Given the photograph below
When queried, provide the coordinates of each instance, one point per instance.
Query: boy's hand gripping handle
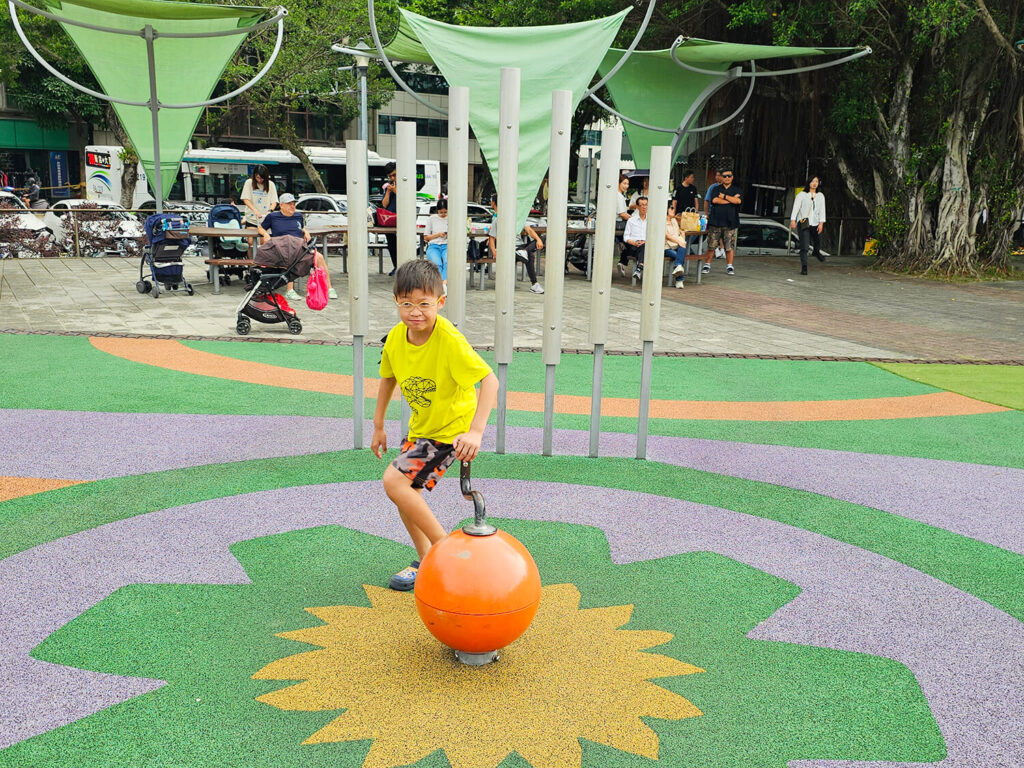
(479, 526)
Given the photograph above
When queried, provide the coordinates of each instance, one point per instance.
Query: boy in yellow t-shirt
(438, 372)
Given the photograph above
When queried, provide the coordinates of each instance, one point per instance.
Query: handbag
(804, 223)
(316, 289)
(689, 221)
(386, 218)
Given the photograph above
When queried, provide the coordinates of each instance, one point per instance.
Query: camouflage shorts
(424, 461)
(721, 237)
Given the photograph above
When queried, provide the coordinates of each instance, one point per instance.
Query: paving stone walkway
(840, 310)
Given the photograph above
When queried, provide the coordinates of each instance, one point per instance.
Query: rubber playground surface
(818, 566)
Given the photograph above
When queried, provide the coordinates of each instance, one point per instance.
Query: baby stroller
(227, 216)
(167, 238)
(278, 263)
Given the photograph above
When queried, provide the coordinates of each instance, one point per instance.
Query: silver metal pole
(154, 110)
(549, 408)
(595, 401)
(505, 267)
(458, 198)
(358, 398)
(554, 273)
(406, 209)
(604, 235)
(357, 187)
(362, 103)
(502, 407)
(650, 308)
(645, 400)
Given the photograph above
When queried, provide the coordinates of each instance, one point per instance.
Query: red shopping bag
(316, 289)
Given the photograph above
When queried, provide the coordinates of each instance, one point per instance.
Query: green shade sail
(562, 57)
(653, 89)
(187, 69)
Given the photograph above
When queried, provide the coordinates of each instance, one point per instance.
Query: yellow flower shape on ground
(574, 674)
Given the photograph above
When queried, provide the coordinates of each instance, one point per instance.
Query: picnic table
(250, 233)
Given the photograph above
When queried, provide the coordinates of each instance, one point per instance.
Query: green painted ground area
(763, 703)
(999, 384)
(990, 573)
(67, 373)
(673, 378)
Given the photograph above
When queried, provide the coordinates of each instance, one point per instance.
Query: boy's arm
(379, 443)
(467, 445)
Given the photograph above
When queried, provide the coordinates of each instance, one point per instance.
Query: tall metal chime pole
(357, 186)
(458, 198)
(604, 235)
(554, 271)
(650, 308)
(405, 155)
(505, 268)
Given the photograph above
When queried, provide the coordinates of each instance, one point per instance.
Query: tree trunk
(129, 159)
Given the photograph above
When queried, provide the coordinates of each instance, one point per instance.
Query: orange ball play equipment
(478, 589)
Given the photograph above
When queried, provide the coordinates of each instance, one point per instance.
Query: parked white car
(22, 233)
(765, 237)
(103, 228)
(319, 210)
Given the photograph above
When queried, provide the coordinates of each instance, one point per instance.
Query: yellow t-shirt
(437, 379)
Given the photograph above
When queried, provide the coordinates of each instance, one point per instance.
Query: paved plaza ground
(819, 565)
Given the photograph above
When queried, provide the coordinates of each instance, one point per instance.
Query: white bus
(216, 174)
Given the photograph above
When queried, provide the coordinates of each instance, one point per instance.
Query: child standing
(438, 372)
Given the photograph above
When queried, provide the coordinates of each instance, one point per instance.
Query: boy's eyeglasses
(423, 306)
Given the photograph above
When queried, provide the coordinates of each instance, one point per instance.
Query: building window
(425, 126)
(591, 138)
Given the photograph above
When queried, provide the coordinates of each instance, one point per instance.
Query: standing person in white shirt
(436, 237)
(808, 219)
(259, 196)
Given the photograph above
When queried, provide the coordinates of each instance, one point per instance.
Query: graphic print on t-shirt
(415, 390)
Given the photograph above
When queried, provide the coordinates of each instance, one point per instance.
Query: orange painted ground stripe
(13, 487)
(171, 354)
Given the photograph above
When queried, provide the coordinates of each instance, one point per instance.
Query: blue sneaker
(405, 579)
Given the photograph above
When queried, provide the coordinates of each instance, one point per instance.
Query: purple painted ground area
(974, 500)
(967, 655)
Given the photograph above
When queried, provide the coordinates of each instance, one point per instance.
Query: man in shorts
(723, 221)
(438, 372)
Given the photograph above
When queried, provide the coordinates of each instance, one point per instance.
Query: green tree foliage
(31, 88)
(305, 75)
(928, 131)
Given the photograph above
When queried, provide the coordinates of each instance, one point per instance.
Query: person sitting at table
(676, 246)
(523, 254)
(288, 222)
(635, 237)
(436, 237)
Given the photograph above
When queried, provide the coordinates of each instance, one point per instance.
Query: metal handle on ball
(479, 526)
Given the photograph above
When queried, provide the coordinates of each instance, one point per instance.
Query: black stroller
(227, 216)
(167, 238)
(278, 263)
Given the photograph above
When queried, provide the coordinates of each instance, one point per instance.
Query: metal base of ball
(476, 659)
